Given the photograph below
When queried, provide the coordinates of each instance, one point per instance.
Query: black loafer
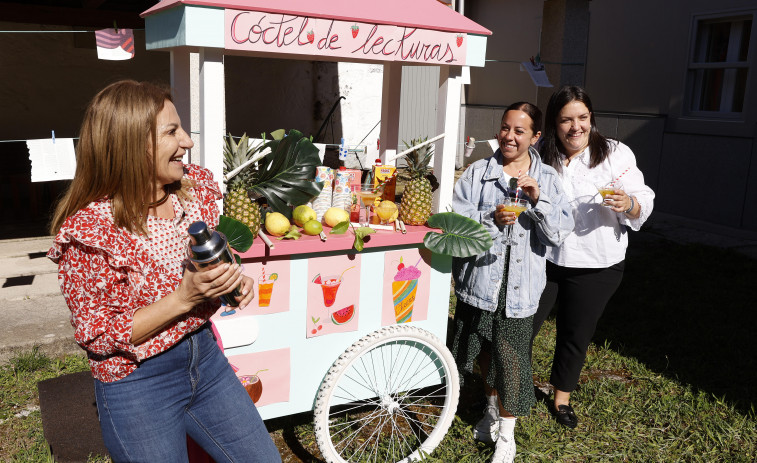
(565, 415)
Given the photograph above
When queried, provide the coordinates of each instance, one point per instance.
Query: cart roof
(422, 14)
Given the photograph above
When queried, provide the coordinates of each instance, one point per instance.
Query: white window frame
(731, 65)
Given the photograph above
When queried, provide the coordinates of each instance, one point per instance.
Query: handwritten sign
(302, 35)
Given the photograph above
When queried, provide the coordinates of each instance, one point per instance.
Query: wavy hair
(112, 160)
(551, 146)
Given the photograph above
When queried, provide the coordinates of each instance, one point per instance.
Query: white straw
(265, 239)
(413, 148)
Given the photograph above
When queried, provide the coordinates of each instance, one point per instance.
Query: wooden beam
(65, 16)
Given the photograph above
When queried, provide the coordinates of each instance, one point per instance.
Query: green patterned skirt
(508, 340)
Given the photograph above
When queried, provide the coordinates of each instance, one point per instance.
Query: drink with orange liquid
(265, 289)
(514, 208)
(608, 189)
(516, 205)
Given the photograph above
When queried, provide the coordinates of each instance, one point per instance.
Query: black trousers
(581, 295)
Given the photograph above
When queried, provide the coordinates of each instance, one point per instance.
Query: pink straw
(618, 177)
(517, 191)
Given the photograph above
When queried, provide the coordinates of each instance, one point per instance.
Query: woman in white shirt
(586, 269)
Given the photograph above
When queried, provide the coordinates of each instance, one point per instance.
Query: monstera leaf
(237, 234)
(285, 175)
(460, 237)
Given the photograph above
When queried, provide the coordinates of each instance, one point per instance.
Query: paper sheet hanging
(115, 45)
(537, 73)
(52, 159)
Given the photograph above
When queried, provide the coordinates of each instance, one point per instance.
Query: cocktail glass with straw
(368, 193)
(516, 205)
(607, 189)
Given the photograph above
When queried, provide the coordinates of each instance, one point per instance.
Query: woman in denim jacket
(498, 291)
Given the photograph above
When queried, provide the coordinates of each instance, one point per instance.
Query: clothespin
(115, 26)
(53, 137)
(378, 144)
(342, 151)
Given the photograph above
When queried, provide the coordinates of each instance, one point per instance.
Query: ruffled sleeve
(97, 272)
(206, 192)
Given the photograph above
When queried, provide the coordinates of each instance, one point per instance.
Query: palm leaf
(285, 176)
(460, 237)
(237, 234)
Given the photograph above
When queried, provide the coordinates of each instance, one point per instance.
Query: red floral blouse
(107, 273)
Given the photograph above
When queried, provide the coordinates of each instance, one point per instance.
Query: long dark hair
(533, 112)
(551, 146)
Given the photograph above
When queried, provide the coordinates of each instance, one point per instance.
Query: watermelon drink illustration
(404, 287)
(265, 288)
(330, 285)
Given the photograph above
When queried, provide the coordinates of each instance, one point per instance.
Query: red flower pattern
(106, 274)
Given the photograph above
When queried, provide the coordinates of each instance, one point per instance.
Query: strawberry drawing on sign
(459, 40)
(311, 36)
(355, 29)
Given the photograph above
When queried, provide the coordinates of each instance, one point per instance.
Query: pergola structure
(391, 32)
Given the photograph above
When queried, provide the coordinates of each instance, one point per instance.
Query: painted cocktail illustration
(404, 287)
(329, 285)
(253, 385)
(265, 288)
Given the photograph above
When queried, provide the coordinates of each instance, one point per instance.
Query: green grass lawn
(670, 377)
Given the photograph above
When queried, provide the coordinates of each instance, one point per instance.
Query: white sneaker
(505, 450)
(487, 429)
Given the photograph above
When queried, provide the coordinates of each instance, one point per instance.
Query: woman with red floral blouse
(139, 309)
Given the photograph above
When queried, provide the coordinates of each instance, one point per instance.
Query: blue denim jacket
(477, 279)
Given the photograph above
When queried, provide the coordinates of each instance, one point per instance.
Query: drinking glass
(606, 189)
(368, 193)
(516, 205)
(385, 211)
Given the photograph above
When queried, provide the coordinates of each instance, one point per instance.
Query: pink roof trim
(422, 14)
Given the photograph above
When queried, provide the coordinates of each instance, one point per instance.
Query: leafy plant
(237, 233)
(285, 175)
(460, 237)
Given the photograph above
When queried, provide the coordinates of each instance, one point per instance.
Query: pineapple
(237, 203)
(415, 207)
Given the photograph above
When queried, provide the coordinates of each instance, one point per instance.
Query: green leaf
(360, 233)
(292, 234)
(460, 237)
(238, 234)
(286, 174)
(340, 228)
(237, 259)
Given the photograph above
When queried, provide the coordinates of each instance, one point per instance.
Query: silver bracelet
(633, 203)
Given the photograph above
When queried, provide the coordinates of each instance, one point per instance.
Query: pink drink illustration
(329, 286)
(404, 287)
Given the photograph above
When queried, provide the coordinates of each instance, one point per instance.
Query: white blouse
(599, 238)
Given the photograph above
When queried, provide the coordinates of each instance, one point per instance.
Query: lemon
(335, 215)
(302, 214)
(312, 227)
(387, 211)
(276, 223)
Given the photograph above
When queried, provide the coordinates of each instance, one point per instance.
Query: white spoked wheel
(390, 397)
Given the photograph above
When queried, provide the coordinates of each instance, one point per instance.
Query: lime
(312, 227)
(302, 214)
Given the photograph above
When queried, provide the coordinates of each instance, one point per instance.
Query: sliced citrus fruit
(274, 276)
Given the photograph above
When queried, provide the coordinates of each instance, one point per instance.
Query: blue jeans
(189, 389)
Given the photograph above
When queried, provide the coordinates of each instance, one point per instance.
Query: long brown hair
(112, 154)
(551, 146)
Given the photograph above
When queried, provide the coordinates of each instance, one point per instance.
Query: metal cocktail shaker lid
(205, 246)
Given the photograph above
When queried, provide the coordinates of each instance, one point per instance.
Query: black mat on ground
(69, 417)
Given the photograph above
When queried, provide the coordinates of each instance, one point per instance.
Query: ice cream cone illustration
(404, 287)
(265, 288)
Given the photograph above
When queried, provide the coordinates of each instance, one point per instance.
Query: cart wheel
(389, 397)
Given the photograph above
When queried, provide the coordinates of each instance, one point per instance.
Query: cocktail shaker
(210, 249)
